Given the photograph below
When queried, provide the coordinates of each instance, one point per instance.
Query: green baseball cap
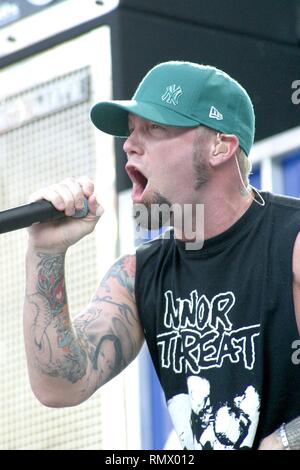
(183, 94)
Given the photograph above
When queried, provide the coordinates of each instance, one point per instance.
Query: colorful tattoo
(50, 303)
(51, 282)
(101, 343)
(122, 272)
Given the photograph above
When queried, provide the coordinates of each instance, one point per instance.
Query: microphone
(33, 213)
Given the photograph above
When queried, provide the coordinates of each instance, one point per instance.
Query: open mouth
(139, 181)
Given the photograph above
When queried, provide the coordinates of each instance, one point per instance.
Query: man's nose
(133, 145)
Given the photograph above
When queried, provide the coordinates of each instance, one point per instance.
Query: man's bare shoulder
(296, 261)
(121, 274)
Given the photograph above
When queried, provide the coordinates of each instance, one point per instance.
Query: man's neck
(222, 214)
(215, 215)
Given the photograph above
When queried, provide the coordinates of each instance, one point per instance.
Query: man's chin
(152, 214)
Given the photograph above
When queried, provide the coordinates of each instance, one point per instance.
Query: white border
(277, 145)
(266, 153)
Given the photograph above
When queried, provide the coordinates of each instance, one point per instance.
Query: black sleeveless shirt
(220, 326)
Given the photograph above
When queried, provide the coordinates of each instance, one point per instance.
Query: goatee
(154, 214)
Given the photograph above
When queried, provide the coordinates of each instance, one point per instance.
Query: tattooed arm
(68, 361)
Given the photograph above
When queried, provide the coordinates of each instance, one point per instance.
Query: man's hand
(271, 442)
(66, 196)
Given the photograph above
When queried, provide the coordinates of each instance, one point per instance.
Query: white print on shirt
(200, 335)
(200, 424)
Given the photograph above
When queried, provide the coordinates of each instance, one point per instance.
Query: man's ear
(223, 149)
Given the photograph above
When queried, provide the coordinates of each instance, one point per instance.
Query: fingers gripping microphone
(35, 212)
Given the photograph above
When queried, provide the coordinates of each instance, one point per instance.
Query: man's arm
(296, 280)
(68, 362)
(275, 440)
(287, 437)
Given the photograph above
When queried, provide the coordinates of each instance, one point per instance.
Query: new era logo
(172, 94)
(215, 114)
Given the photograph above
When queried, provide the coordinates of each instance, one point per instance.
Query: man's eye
(155, 126)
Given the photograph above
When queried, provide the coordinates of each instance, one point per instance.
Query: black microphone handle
(35, 212)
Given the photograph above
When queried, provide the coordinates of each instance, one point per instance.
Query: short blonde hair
(244, 164)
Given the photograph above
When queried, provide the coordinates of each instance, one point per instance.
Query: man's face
(162, 162)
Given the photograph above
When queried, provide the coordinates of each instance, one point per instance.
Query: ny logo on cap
(172, 94)
(215, 114)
